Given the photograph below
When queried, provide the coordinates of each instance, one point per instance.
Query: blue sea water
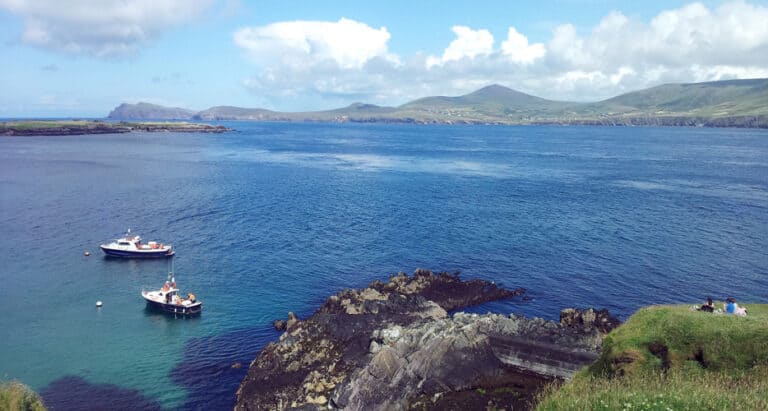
(276, 217)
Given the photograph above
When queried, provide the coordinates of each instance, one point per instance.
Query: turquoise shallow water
(276, 217)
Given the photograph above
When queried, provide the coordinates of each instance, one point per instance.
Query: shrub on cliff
(15, 396)
(672, 357)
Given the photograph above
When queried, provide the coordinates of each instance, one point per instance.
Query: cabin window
(122, 243)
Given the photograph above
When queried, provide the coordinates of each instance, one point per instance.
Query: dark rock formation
(96, 128)
(601, 320)
(317, 354)
(74, 128)
(393, 346)
(464, 353)
(279, 325)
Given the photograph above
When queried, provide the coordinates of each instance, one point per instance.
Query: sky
(82, 58)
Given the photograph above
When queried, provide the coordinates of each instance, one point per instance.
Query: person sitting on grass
(708, 306)
(731, 307)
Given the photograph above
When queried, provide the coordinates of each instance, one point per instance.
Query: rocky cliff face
(393, 346)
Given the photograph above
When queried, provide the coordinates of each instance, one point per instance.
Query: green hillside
(731, 103)
(147, 111)
(669, 357)
(720, 98)
(235, 113)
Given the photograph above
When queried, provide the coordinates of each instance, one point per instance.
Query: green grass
(43, 126)
(669, 357)
(37, 124)
(679, 390)
(15, 396)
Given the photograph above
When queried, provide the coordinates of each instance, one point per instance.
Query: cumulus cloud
(347, 60)
(347, 43)
(97, 27)
(518, 50)
(690, 44)
(467, 45)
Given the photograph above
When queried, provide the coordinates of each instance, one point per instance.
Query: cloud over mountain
(333, 60)
(468, 45)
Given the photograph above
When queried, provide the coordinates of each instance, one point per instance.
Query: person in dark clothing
(708, 306)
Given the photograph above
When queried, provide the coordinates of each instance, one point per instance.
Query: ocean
(276, 217)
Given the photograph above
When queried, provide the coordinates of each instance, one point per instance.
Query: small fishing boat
(130, 246)
(169, 299)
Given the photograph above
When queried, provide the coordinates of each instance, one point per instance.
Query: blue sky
(86, 58)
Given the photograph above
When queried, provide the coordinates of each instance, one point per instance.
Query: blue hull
(134, 254)
(175, 309)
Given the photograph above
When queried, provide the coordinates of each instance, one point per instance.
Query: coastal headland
(393, 345)
(402, 345)
(726, 103)
(82, 127)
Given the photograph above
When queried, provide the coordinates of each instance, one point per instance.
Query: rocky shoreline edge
(394, 346)
(84, 127)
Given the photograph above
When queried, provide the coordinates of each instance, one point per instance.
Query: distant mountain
(493, 96)
(736, 103)
(146, 111)
(235, 113)
(717, 98)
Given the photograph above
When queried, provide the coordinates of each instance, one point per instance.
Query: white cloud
(336, 63)
(467, 45)
(99, 28)
(734, 33)
(518, 50)
(347, 43)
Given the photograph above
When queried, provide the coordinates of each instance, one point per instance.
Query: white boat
(130, 246)
(169, 299)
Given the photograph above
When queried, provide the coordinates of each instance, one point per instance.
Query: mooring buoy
(87, 253)
(98, 304)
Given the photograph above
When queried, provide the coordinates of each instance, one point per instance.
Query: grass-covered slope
(81, 127)
(731, 103)
(15, 396)
(147, 111)
(669, 357)
(714, 99)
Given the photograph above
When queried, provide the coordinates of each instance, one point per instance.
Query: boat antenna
(170, 272)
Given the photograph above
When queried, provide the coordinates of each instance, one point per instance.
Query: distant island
(729, 103)
(80, 127)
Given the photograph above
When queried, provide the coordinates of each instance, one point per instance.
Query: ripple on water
(277, 217)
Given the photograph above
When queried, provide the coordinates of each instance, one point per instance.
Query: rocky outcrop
(64, 130)
(393, 346)
(464, 353)
(83, 127)
(601, 320)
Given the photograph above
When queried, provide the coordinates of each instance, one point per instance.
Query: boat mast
(170, 272)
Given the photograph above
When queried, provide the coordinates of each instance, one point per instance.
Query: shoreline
(404, 344)
(24, 128)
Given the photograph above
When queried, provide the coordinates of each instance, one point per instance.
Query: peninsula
(80, 127)
(402, 345)
(393, 346)
(728, 103)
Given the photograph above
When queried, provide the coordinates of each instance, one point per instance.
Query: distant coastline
(729, 103)
(83, 127)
